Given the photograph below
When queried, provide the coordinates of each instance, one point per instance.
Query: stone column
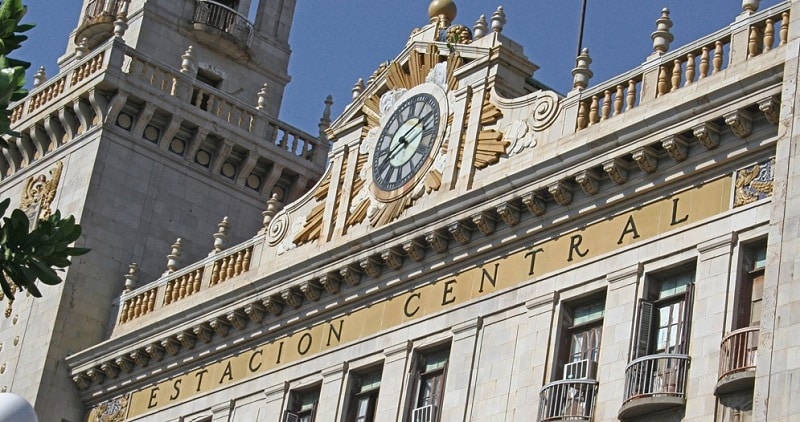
(615, 342)
(708, 324)
(460, 368)
(330, 392)
(275, 398)
(394, 372)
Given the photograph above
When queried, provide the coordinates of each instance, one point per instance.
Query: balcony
(214, 23)
(98, 21)
(654, 383)
(737, 361)
(567, 400)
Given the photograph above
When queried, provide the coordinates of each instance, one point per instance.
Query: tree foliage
(27, 255)
(12, 71)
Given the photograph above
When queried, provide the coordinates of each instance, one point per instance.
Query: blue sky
(335, 42)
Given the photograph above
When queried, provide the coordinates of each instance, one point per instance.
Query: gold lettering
(228, 373)
(177, 387)
(574, 244)
(199, 376)
(333, 332)
(492, 278)
(630, 227)
(405, 308)
(532, 254)
(448, 291)
(300, 349)
(675, 213)
(153, 395)
(252, 357)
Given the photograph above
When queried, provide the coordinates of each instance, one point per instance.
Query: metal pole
(580, 28)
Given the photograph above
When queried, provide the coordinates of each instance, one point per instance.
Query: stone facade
(479, 248)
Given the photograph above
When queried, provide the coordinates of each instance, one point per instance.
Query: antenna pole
(580, 28)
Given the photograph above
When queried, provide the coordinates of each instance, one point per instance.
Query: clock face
(404, 147)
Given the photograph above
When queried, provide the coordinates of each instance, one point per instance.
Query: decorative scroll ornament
(39, 193)
(110, 411)
(278, 228)
(754, 183)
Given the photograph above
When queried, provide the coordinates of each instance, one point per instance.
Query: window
(302, 406)
(665, 314)
(428, 375)
(364, 396)
(750, 290)
(579, 346)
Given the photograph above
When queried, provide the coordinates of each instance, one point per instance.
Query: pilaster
(394, 368)
(460, 370)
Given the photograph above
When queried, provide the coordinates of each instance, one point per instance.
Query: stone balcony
(737, 361)
(654, 383)
(215, 23)
(98, 21)
(568, 400)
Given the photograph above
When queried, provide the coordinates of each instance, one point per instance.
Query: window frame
(418, 374)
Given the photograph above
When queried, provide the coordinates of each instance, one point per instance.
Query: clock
(407, 143)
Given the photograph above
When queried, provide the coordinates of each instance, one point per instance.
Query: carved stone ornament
(171, 346)
(392, 258)
(187, 339)
(460, 232)
(38, 194)
(562, 193)
(156, 351)
(291, 298)
(140, 357)
(278, 228)
(82, 381)
(255, 311)
(707, 135)
(273, 305)
(676, 147)
(485, 222)
(535, 203)
(740, 122)
(616, 170)
(110, 369)
(646, 158)
(237, 319)
(110, 411)
(351, 275)
(311, 290)
(771, 109)
(437, 241)
(509, 213)
(331, 282)
(371, 267)
(96, 375)
(124, 363)
(220, 326)
(415, 250)
(203, 333)
(588, 181)
(520, 137)
(754, 183)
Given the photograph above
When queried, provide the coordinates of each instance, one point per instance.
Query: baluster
(231, 266)
(582, 121)
(183, 283)
(248, 253)
(168, 293)
(239, 258)
(717, 57)
(676, 75)
(215, 272)
(594, 116)
(618, 100)
(198, 100)
(176, 290)
(662, 87)
(151, 300)
(631, 96)
(689, 69)
(284, 140)
(198, 276)
(131, 309)
(139, 302)
(123, 316)
(769, 35)
(754, 44)
(704, 58)
(606, 110)
(784, 32)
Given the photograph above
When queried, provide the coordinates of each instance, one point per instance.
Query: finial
(120, 24)
(481, 28)
(325, 120)
(221, 236)
(273, 207)
(82, 48)
(39, 77)
(750, 6)
(188, 62)
(358, 88)
(662, 37)
(446, 8)
(132, 277)
(173, 259)
(581, 74)
(498, 19)
(262, 97)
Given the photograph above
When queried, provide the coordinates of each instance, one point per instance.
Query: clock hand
(424, 119)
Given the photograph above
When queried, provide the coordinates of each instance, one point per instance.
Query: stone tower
(160, 122)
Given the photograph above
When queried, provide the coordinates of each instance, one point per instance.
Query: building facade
(159, 109)
(478, 248)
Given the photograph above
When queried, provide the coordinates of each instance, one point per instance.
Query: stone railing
(186, 282)
(567, 400)
(685, 66)
(656, 375)
(223, 18)
(98, 8)
(738, 351)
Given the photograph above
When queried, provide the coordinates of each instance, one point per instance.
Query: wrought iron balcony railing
(223, 18)
(654, 383)
(737, 360)
(567, 400)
